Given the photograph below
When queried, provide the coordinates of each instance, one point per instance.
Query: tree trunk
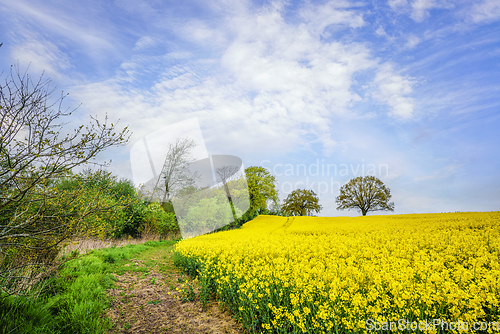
(226, 188)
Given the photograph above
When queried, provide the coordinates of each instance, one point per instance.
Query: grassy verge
(74, 299)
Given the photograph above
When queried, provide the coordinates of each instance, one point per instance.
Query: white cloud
(144, 43)
(394, 90)
(276, 82)
(198, 31)
(399, 6)
(339, 14)
(41, 56)
(381, 32)
(486, 11)
(84, 31)
(412, 41)
(419, 9)
(397, 3)
(279, 58)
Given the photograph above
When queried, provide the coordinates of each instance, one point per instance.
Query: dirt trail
(149, 298)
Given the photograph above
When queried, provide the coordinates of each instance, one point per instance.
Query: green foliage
(365, 194)
(36, 150)
(246, 217)
(74, 299)
(126, 212)
(132, 221)
(188, 295)
(115, 210)
(301, 202)
(118, 200)
(168, 207)
(61, 209)
(189, 265)
(20, 315)
(203, 210)
(261, 187)
(154, 302)
(157, 221)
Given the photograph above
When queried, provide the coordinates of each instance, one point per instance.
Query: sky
(317, 92)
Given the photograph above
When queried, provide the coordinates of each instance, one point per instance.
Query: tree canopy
(364, 194)
(261, 187)
(301, 202)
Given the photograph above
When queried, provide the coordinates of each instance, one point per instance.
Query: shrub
(157, 221)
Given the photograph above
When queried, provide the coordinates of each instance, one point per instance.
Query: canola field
(432, 273)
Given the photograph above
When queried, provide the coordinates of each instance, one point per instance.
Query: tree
(261, 187)
(175, 174)
(364, 194)
(301, 202)
(158, 222)
(36, 216)
(224, 174)
(125, 207)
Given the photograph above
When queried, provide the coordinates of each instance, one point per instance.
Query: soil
(152, 296)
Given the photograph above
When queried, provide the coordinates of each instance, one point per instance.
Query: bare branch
(35, 217)
(175, 174)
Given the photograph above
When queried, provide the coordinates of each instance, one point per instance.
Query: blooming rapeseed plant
(329, 275)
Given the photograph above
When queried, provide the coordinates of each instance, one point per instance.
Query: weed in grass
(109, 258)
(154, 302)
(127, 325)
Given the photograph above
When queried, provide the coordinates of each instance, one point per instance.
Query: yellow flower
(338, 272)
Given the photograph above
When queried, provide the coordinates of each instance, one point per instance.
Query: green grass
(74, 300)
(154, 302)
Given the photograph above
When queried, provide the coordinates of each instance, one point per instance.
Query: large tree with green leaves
(365, 193)
(301, 202)
(261, 187)
(36, 149)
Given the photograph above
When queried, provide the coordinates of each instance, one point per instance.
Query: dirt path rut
(153, 296)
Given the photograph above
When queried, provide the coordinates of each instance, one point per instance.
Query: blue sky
(408, 90)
